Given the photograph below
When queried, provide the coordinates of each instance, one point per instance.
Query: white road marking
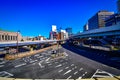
(49, 64)
(5, 74)
(83, 75)
(101, 75)
(33, 61)
(106, 73)
(25, 60)
(56, 62)
(68, 77)
(40, 64)
(20, 65)
(65, 54)
(79, 78)
(36, 60)
(66, 67)
(33, 64)
(39, 57)
(85, 72)
(95, 73)
(72, 64)
(47, 59)
(58, 65)
(75, 72)
(9, 73)
(80, 69)
(65, 63)
(73, 68)
(60, 70)
(36, 55)
(2, 74)
(1, 65)
(43, 58)
(67, 72)
(2, 62)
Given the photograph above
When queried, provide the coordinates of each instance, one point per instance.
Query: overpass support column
(31, 49)
(29, 46)
(81, 42)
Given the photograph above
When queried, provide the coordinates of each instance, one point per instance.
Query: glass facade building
(69, 30)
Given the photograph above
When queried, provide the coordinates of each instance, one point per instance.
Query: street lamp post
(17, 40)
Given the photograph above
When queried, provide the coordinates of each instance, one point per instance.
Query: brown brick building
(60, 36)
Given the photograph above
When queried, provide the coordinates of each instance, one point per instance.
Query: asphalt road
(110, 58)
(43, 66)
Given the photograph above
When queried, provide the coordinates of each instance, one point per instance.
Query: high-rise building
(85, 27)
(69, 30)
(118, 6)
(98, 20)
(114, 19)
(54, 28)
(53, 33)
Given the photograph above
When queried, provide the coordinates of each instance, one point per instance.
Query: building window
(5, 37)
(8, 37)
(11, 38)
(2, 37)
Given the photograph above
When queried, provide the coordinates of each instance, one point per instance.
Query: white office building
(54, 28)
(65, 34)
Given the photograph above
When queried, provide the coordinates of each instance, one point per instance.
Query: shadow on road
(103, 57)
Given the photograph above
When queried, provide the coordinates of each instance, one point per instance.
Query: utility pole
(17, 40)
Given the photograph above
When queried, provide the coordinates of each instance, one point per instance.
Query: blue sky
(34, 17)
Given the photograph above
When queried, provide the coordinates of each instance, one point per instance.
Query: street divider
(28, 53)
